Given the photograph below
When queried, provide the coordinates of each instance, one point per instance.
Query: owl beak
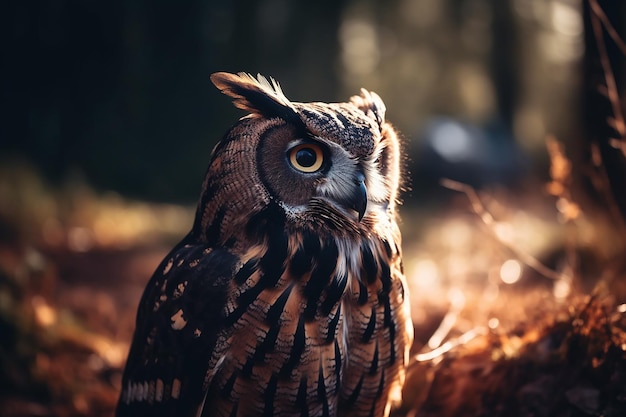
(358, 202)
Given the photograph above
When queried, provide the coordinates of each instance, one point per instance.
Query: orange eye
(307, 157)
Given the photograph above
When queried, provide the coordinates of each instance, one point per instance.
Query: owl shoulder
(178, 323)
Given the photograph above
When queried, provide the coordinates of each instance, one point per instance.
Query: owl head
(332, 163)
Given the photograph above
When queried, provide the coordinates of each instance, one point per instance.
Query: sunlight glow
(504, 231)
(510, 271)
(44, 314)
(561, 289)
(456, 296)
(426, 273)
(491, 293)
(457, 303)
(564, 43)
(566, 19)
(456, 234)
(80, 239)
(452, 142)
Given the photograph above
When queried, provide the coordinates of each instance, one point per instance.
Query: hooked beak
(358, 200)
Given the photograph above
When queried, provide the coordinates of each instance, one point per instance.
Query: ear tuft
(259, 96)
(371, 104)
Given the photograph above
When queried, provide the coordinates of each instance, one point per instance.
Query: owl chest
(287, 338)
(292, 367)
(282, 349)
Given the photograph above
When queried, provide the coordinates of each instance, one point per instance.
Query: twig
(600, 180)
(595, 7)
(598, 20)
(457, 301)
(451, 344)
(487, 218)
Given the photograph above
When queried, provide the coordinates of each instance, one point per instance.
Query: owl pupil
(306, 157)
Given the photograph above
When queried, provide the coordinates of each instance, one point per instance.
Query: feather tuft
(259, 96)
(371, 104)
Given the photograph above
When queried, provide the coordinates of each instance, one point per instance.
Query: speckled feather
(280, 301)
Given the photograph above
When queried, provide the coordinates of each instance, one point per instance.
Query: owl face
(298, 168)
(330, 161)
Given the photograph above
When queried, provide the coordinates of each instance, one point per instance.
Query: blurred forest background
(108, 116)
(118, 93)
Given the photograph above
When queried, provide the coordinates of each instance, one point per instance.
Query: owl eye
(307, 157)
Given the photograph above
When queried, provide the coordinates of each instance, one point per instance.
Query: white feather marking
(347, 266)
(146, 391)
(217, 367)
(158, 394)
(168, 266)
(209, 377)
(126, 394)
(270, 87)
(139, 392)
(151, 391)
(378, 187)
(136, 388)
(176, 388)
(180, 289)
(178, 322)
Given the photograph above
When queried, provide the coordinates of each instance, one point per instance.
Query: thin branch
(457, 303)
(600, 180)
(479, 209)
(598, 19)
(451, 344)
(595, 7)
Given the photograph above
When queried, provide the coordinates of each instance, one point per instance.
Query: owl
(287, 297)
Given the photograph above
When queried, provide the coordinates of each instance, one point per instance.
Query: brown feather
(258, 96)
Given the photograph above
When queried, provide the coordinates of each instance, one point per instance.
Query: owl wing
(177, 326)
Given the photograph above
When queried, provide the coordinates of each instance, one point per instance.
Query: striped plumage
(287, 297)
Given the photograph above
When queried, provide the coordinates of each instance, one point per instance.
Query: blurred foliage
(78, 218)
